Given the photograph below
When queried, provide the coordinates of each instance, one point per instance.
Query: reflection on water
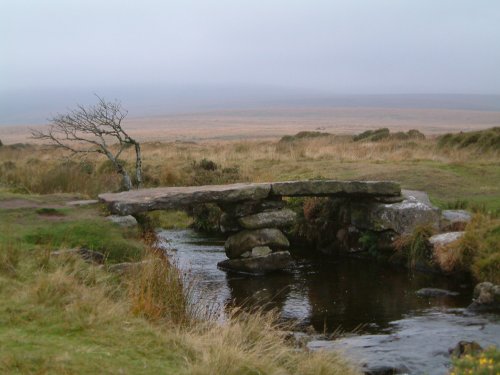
(339, 293)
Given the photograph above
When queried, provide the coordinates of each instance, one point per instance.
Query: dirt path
(15, 203)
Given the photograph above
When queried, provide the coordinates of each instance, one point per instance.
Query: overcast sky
(382, 46)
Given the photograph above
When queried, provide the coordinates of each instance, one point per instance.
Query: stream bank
(394, 326)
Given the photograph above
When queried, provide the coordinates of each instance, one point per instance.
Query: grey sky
(382, 46)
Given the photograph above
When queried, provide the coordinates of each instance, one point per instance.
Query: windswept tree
(95, 129)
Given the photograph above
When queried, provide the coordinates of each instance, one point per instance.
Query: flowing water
(394, 327)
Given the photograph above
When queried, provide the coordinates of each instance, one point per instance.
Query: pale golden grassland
(452, 176)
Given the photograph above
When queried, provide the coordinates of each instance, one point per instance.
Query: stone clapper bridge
(254, 214)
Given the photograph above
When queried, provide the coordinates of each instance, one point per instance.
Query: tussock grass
(477, 252)
(63, 315)
(253, 344)
(449, 259)
(156, 291)
(414, 247)
(480, 248)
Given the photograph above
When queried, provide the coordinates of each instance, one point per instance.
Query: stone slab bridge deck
(164, 198)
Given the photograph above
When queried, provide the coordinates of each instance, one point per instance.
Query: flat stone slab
(143, 200)
(403, 217)
(269, 219)
(334, 187)
(444, 239)
(454, 220)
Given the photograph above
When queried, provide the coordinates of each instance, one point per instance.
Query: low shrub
(385, 134)
(207, 172)
(304, 135)
(482, 140)
(372, 135)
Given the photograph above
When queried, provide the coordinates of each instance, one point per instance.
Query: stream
(386, 324)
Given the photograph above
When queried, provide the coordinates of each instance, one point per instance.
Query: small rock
(435, 292)
(385, 370)
(91, 255)
(228, 223)
(123, 221)
(246, 254)
(454, 220)
(444, 239)
(246, 240)
(261, 251)
(258, 265)
(464, 348)
(247, 208)
(486, 297)
(86, 254)
(269, 219)
(341, 234)
(125, 267)
(86, 202)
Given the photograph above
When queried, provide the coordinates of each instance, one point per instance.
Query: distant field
(275, 122)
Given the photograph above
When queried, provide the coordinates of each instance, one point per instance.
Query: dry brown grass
(156, 291)
(447, 173)
(253, 344)
(448, 257)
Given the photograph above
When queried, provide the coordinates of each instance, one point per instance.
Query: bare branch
(87, 129)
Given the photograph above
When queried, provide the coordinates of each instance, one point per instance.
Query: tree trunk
(138, 164)
(126, 180)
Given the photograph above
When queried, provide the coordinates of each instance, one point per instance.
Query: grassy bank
(63, 315)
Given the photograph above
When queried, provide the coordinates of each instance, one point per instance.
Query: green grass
(170, 219)
(60, 315)
(480, 247)
(33, 229)
(62, 319)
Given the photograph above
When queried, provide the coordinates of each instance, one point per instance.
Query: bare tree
(95, 129)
